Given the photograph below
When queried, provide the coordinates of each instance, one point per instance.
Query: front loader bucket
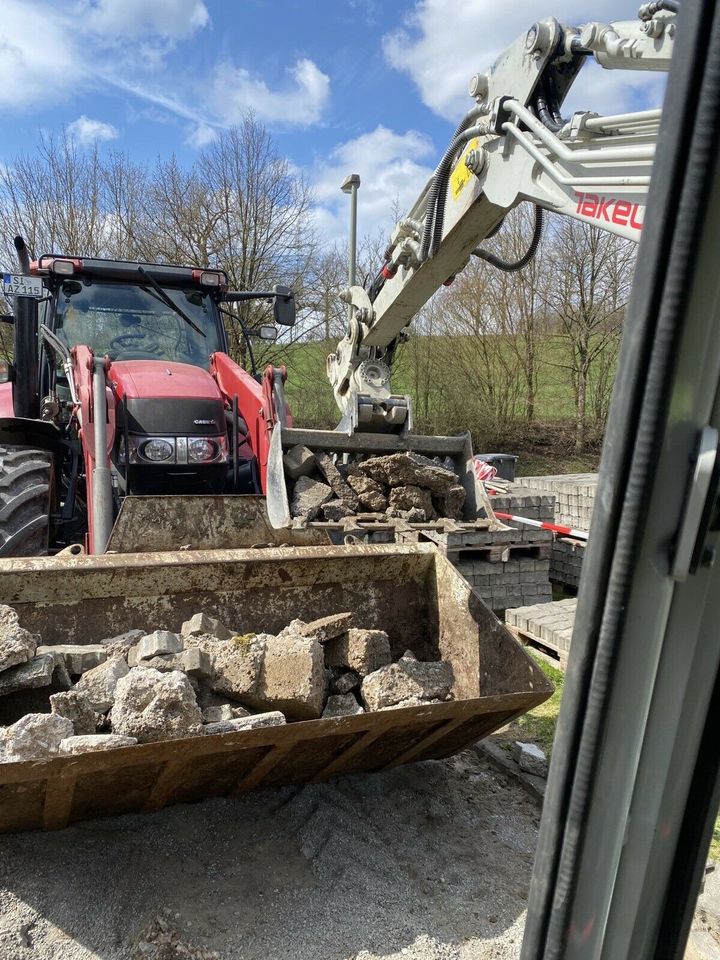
(151, 524)
(412, 592)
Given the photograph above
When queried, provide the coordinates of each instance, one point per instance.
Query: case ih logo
(609, 209)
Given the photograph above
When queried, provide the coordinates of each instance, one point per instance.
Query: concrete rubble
(407, 683)
(78, 657)
(150, 705)
(400, 485)
(16, 644)
(76, 707)
(205, 679)
(92, 742)
(46, 670)
(530, 758)
(362, 651)
(36, 736)
(99, 683)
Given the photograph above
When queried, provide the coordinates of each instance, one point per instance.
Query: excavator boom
(512, 146)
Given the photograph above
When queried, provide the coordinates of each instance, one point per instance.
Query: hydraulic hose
(512, 266)
(462, 134)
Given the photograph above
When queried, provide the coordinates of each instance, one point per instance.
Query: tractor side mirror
(284, 307)
(265, 332)
(7, 371)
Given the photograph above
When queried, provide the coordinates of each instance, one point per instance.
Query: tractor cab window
(131, 322)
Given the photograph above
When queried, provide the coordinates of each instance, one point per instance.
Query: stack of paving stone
(507, 568)
(566, 560)
(547, 625)
(574, 496)
(522, 501)
(574, 501)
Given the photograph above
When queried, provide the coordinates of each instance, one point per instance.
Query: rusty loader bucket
(412, 592)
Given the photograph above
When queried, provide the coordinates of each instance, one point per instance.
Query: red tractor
(121, 387)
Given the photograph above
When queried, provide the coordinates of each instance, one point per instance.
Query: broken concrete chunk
(238, 665)
(450, 503)
(194, 661)
(299, 461)
(47, 670)
(343, 681)
(361, 650)
(99, 684)
(156, 644)
(412, 516)
(412, 498)
(530, 758)
(218, 713)
(16, 644)
(253, 722)
(76, 707)
(336, 510)
(99, 741)
(342, 706)
(203, 625)
(403, 469)
(371, 494)
(78, 657)
(293, 678)
(36, 736)
(120, 645)
(326, 628)
(408, 679)
(338, 484)
(308, 498)
(150, 705)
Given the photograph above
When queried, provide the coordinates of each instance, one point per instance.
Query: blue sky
(344, 86)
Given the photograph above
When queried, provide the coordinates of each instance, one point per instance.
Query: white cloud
(31, 70)
(392, 174)
(235, 91)
(444, 42)
(171, 19)
(201, 135)
(50, 51)
(125, 44)
(87, 131)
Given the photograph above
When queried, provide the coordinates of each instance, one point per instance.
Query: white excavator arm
(513, 145)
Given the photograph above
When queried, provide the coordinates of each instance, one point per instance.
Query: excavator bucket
(152, 524)
(458, 449)
(411, 592)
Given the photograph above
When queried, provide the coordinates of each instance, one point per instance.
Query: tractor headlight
(175, 450)
(157, 450)
(201, 450)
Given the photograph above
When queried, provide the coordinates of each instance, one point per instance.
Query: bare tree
(590, 286)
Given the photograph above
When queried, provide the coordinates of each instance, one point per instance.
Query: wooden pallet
(550, 650)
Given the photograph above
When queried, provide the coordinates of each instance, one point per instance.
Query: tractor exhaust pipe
(26, 399)
(102, 498)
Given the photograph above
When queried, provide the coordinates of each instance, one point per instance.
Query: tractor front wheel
(26, 484)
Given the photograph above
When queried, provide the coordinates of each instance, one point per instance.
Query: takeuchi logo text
(610, 210)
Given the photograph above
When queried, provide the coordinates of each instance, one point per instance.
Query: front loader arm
(513, 146)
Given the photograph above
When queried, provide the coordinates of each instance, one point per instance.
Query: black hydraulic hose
(545, 115)
(512, 266)
(435, 209)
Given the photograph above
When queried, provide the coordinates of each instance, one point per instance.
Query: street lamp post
(350, 185)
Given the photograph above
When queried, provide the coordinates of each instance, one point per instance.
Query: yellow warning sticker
(461, 174)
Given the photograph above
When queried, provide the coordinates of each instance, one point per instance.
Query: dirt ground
(425, 862)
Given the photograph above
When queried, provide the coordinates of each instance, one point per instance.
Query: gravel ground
(426, 862)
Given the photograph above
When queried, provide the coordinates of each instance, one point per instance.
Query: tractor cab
(181, 417)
